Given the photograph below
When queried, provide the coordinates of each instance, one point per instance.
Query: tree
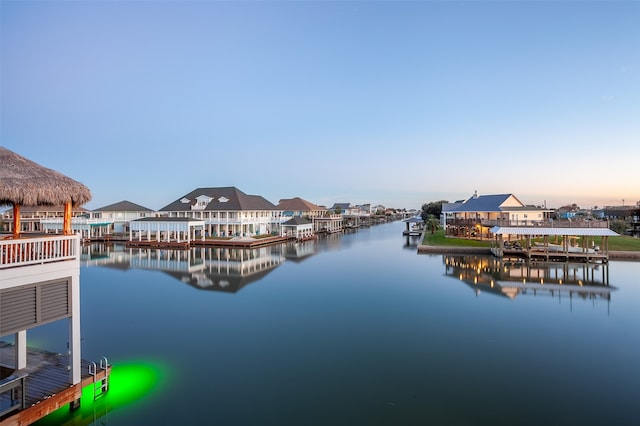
(338, 210)
(432, 223)
(619, 226)
(433, 208)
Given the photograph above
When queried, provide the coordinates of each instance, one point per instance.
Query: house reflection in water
(510, 279)
(206, 268)
(300, 251)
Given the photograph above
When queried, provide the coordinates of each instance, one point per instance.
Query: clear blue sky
(390, 102)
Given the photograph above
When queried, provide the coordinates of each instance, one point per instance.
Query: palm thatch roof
(25, 183)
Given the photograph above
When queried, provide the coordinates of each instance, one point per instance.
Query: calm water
(359, 329)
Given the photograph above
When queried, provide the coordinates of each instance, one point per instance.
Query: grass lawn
(622, 243)
(438, 239)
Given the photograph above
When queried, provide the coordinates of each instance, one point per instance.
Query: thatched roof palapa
(25, 183)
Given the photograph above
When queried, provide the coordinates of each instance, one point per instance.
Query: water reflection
(412, 241)
(511, 279)
(208, 268)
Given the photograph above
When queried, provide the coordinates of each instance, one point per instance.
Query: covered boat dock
(545, 250)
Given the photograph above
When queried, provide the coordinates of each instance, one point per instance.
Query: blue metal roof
(482, 203)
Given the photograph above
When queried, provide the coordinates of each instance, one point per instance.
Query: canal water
(356, 329)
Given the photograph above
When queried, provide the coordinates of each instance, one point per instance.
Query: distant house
(621, 212)
(321, 218)
(31, 217)
(121, 213)
(226, 211)
(300, 228)
(379, 209)
(342, 208)
(475, 216)
(297, 207)
(365, 209)
(353, 216)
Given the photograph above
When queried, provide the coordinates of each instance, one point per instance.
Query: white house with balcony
(226, 212)
(120, 214)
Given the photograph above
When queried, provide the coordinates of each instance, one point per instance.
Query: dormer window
(202, 201)
(223, 200)
(185, 201)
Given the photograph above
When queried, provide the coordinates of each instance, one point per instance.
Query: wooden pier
(47, 387)
(158, 244)
(550, 256)
(240, 242)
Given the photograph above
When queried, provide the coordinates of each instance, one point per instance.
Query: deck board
(48, 386)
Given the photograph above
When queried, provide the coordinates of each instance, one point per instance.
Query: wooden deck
(47, 384)
(240, 242)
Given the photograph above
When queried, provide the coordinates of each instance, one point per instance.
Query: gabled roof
(483, 203)
(123, 206)
(298, 204)
(451, 207)
(488, 203)
(222, 199)
(297, 221)
(343, 206)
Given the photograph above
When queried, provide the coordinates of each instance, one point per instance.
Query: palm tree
(432, 223)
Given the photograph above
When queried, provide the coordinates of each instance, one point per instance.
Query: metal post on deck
(21, 349)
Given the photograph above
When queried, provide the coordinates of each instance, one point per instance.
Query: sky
(398, 103)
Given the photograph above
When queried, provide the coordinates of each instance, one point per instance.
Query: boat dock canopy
(538, 230)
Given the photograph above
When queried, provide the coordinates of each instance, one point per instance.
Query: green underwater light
(129, 382)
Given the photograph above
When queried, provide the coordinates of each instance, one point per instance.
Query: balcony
(38, 250)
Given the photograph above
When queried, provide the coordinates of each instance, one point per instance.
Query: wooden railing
(14, 389)
(530, 223)
(26, 251)
(548, 223)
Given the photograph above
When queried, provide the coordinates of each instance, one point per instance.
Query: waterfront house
(321, 218)
(39, 284)
(353, 216)
(120, 214)
(31, 217)
(503, 218)
(297, 207)
(474, 217)
(226, 211)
